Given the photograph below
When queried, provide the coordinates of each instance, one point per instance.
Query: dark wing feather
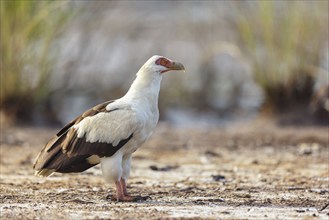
(67, 153)
(76, 161)
(80, 146)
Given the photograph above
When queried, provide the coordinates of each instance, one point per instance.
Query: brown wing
(58, 138)
(67, 153)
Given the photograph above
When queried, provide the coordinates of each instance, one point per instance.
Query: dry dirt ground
(245, 171)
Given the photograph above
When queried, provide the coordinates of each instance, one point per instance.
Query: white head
(150, 74)
(158, 65)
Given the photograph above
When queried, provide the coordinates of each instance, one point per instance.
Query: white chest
(149, 119)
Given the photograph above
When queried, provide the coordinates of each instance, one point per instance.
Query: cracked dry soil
(245, 171)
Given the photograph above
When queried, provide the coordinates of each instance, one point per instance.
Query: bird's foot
(128, 198)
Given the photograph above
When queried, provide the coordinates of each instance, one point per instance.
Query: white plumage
(110, 132)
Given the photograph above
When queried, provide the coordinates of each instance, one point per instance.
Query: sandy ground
(245, 171)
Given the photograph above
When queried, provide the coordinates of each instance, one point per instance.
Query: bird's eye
(162, 62)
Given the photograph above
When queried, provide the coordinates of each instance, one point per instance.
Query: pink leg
(124, 190)
(122, 194)
(124, 186)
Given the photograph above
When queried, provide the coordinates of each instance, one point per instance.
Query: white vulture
(109, 132)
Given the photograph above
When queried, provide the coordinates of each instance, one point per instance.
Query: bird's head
(159, 65)
(149, 76)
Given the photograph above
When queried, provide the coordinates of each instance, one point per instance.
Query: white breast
(148, 119)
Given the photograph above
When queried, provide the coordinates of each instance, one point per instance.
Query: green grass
(28, 29)
(284, 46)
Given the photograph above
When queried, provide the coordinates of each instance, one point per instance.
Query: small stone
(218, 177)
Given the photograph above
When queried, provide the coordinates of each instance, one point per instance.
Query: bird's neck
(145, 88)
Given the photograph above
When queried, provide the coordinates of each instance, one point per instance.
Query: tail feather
(44, 172)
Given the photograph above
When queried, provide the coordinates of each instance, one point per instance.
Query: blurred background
(243, 59)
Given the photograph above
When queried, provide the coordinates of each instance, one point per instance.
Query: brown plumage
(67, 153)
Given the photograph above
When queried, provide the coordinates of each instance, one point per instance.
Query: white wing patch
(108, 127)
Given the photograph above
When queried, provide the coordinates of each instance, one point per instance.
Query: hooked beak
(176, 66)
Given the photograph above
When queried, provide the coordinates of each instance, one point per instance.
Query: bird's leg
(124, 190)
(122, 195)
(127, 197)
(124, 186)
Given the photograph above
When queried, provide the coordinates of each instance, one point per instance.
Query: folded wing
(79, 145)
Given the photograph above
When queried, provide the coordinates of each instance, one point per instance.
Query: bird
(109, 133)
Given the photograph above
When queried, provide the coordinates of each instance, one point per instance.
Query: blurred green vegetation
(284, 43)
(28, 31)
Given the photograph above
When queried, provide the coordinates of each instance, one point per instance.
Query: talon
(127, 198)
(122, 199)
